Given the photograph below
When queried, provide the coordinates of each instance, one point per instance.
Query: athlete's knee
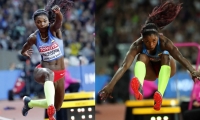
(165, 59)
(143, 57)
(49, 75)
(173, 66)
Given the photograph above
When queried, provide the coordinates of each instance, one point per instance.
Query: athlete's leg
(168, 69)
(42, 103)
(164, 74)
(60, 92)
(29, 104)
(44, 76)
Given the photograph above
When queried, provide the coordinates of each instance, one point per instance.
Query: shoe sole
(135, 85)
(51, 111)
(158, 101)
(24, 98)
(24, 106)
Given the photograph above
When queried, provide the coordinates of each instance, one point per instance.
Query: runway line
(2, 118)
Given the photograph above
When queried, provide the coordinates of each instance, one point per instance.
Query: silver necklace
(42, 37)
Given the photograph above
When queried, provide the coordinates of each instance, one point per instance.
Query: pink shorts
(58, 74)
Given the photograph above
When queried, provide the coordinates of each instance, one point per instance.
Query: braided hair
(64, 5)
(161, 16)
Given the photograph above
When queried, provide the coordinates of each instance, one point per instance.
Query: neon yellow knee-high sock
(140, 71)
(163, 78)
(38, 103)
(49, 91)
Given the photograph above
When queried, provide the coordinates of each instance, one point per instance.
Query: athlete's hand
(56, 9)
(28, 53)
(106, 92)
(196, 104)
(195, 75)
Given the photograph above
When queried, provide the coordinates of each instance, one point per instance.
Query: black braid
(64, 5)
(161, 16)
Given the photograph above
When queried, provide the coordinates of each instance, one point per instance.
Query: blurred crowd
(121, 22)
(16, 24)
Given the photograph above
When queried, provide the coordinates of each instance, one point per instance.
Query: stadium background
(118, 24)
(16, 24)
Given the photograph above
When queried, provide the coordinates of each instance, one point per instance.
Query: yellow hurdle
(79, 103)
(73, 101)
(163, 110)
(150, 102)
(79, 95)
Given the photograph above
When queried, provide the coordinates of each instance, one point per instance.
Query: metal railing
(191, 44)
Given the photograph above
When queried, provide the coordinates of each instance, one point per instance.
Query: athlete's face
(41, 21)
(150, 41)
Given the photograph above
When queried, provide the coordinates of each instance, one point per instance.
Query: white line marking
(2, 118)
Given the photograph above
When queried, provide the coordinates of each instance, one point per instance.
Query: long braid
(161, 16)
(64, 5)
(164, 14)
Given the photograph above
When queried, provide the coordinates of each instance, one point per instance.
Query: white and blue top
(50, 50)
(158, 52)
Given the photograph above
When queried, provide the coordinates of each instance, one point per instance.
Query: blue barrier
(86, 74)
(7, 81)
(182, 83)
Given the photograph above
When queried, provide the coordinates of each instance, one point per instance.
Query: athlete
(156, 55)
(51, 71)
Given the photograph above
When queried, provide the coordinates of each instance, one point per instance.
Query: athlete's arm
(134, 49)
(58, 20)
(59, 34)
(175, 53)
(30, 41)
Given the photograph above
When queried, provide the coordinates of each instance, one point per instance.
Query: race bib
(50, 52)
